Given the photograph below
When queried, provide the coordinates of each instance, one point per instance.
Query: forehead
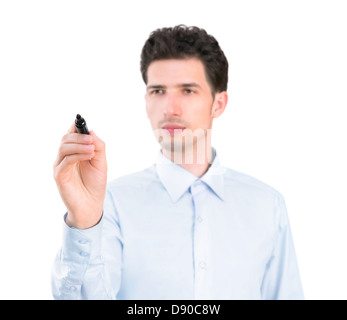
(176, 71)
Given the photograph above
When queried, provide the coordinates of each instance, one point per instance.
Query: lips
(172, 127)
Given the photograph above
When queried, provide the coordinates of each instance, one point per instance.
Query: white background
(285, 123)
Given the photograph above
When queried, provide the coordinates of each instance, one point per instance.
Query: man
(186, 227)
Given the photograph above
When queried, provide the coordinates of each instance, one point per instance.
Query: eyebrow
(183, 85)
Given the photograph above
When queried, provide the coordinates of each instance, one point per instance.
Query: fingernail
(87, 138)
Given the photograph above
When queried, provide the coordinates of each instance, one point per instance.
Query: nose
(172, 106)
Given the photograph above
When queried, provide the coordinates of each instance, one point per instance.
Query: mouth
(172, 127)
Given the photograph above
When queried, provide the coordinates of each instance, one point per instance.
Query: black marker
(81, 125)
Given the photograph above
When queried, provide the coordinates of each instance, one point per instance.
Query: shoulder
(256, 196)
(249, 184)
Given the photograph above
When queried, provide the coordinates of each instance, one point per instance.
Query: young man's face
(179, 101)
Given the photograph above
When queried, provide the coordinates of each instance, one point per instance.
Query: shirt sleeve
(88, 265)
(282, 280)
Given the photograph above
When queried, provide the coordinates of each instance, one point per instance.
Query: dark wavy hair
(182, 42)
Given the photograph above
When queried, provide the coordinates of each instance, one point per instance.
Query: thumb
(99, 145)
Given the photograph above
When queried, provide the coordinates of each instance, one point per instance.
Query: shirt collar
(177, 180)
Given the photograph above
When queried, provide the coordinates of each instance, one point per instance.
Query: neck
(194, 160)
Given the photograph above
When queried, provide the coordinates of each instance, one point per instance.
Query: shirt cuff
(81, 246)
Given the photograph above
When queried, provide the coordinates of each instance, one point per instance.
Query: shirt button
(202, 264)
(72, 288)
(84, 254)
(200, 219)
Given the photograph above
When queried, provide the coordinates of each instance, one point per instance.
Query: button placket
(200, 234)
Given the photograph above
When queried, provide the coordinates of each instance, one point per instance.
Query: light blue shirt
(166, 234)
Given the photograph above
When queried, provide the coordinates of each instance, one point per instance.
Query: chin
(175, 146)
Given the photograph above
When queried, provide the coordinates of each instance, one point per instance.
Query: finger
(99, 158)
(72, 137)
(99, 144)
(74, 158)
(77, 138)
(72, 129)
(70, 161)
(66, 150)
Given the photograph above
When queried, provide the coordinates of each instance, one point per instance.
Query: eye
(157, 91)
(189, 91)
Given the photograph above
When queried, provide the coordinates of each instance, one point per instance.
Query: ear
(219, 104)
